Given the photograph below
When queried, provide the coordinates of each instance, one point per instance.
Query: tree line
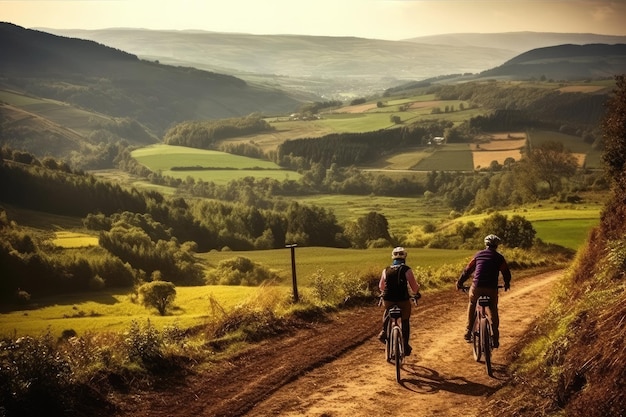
(204, 134)
(346, 149)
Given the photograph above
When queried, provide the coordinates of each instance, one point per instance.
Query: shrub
(33, 375)
(331, 288)
(240, 271)
(143, 343)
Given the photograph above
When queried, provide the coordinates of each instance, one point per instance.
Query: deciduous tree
(158, 294)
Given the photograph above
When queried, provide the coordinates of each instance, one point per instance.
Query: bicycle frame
(482, 332)
(394, 347)
(482, 335)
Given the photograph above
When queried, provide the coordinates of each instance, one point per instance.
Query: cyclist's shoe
(468, 337)
(382, 336)
(407, 350)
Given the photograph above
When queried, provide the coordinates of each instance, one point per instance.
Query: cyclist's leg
(471, 313)
(382, 336)
(405, 306)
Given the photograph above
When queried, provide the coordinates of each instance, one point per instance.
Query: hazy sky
(381, 19)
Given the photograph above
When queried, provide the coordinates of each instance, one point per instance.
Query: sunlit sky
(379, 19)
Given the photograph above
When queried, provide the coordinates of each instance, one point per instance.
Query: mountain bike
(394, 345)
(482, 333)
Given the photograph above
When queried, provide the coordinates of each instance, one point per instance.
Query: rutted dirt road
(338, 369)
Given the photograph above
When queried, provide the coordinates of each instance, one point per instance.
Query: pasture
(334, 261)
(78, 120)
(206, 165)
(402, 213)
(68, 239)
(448, 157)
(114, 310)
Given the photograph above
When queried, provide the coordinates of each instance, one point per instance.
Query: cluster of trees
(528, 105)
(317, 106)
(346, 149)
(211, 224)
(204, 134)
(29, 266)
(53, 186)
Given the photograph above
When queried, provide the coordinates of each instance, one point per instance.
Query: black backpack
(396, 284)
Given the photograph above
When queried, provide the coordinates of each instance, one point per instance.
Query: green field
(570, 233)
(336, 261)
(567, 226)
(81, 121)
(114, 311)
(402, 213)
(222, 167)
(449, 157)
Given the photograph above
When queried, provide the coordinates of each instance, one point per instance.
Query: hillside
(119, 84)
(517, 42)
(565, 62)
(341, 67)
(336, 67)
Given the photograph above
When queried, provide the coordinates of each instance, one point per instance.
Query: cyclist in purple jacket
(486, 266)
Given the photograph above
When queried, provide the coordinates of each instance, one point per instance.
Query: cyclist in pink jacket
(397, 284)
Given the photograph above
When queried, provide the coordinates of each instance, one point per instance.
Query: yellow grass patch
(482, 159)
(361, 108)
(500, 145)
(66, 239)
(424, 104)
(581, 88)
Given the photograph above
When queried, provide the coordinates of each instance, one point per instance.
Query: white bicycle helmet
(398, 253)
(492, 241)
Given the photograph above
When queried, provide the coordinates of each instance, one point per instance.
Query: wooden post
(293, 271)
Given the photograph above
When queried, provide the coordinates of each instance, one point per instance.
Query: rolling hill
(332, 67)
(565, 62)
(118, 84)
(517, 42)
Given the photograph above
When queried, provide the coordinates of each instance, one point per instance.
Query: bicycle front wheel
(397, 351)
(485, 336)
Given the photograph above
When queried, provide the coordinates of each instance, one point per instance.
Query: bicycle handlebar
(413, 299)
(466, 288)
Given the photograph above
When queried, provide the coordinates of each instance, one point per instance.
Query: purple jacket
(486, 266)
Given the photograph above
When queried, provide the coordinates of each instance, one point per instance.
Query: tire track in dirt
(440, 378)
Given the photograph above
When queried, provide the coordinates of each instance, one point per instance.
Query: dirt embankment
(337, 368)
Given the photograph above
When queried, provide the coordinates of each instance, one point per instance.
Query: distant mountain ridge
(518, 42)
(331, 66)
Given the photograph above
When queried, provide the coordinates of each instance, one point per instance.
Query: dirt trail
(338, 369)
(440, 378)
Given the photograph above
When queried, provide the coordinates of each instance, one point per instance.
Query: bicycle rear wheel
(485, 336)
(476, 341)
(397, 351)
(388, 345)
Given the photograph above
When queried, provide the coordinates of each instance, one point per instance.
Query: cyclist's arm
(412, 282)
(381, 283)
(506, 272)
(471, 266)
